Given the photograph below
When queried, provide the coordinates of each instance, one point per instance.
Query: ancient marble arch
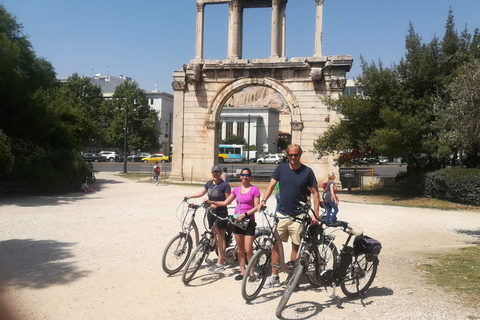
(203, 86)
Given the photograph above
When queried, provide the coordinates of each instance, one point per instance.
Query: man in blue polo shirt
(295, 181)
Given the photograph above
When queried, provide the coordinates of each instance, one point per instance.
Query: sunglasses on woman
(244, 175)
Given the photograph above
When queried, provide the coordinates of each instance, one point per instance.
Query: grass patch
(457, 272)
(388, 198)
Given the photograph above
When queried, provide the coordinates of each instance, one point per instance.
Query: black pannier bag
(367, 245)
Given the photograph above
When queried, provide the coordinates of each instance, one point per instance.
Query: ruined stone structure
(203, 86)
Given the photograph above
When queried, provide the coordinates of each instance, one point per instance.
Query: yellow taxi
(156, 157)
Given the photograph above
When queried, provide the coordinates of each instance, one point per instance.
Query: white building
(109, 83)
(162, 102)
(259, 125)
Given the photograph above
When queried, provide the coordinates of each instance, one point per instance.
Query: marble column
(199, 35)
(234, 29)
(283, 17)
(318, 28)
(276, 22)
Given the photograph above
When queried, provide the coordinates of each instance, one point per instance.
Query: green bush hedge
(410, 184)
(456, 185)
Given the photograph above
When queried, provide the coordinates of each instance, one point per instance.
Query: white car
(111, 156)
(271, 158)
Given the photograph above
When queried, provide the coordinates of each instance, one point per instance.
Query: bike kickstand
(335, 298)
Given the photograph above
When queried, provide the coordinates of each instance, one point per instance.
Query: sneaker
(272, 282)
(216, 268)
(156, 183)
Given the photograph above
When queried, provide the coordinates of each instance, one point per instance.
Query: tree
(78, 105)
(459, 115)
(233, 139)
(396, 115)
(141, 119)
(36, 142)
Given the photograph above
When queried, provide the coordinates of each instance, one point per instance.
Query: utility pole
(125, 141)
(248, 147)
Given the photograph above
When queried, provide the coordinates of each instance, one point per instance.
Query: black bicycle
(354, 272)
(207, 244)
(259, 267)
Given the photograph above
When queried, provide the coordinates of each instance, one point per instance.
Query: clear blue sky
(148, 39)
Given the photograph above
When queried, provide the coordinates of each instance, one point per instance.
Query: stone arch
(236, 85)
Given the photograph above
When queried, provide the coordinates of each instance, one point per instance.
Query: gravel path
(97, 256)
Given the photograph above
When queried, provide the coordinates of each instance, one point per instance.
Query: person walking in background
(248, 198)
(218, 190)
(156, 172)
(295, 181)
(331, 198)
(225, 175)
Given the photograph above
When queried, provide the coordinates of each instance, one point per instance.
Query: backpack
(157, 170)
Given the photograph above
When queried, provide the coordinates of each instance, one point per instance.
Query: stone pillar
(283, 17)
(318, 28)
(178, 125)
(297, 128)
(276, 23)
(199, 36)
(234, 29)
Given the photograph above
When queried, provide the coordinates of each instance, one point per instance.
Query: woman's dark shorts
(221, 224)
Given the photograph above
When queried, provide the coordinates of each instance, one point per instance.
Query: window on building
(240, 129)
(228, 129)
(350, 91)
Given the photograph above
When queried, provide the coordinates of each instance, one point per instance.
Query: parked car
(138, 157)
(156, 157)
(111, 156)
(93, 157)
(271, 158)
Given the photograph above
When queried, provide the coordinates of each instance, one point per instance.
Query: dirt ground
(98, 256)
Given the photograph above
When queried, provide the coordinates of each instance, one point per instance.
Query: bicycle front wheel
(327, 259)
(359, 277)
(194, 263)
(291, 285)
(259, 238)
(176, 253)
(255, 274)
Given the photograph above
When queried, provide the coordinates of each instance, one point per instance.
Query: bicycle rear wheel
(194, 263)
(291, 285)
(176, 253)
(327, 259)
(255, 274)
(359, 277)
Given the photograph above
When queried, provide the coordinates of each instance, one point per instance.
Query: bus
(230, 153)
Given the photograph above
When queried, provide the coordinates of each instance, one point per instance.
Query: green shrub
(47, 170)
(410, 184)
(456, 185)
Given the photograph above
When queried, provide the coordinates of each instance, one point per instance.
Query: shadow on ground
(37, 263)
(51, 200)
(473, 233)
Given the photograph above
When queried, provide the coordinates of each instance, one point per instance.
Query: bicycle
(207, 244)
(355, 264)
(324, 256)
(309, 260)
(178, 249)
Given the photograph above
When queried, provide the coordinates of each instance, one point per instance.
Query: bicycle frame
(283, 266)
(192, 225)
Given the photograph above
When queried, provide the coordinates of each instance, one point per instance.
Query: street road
(260, 172)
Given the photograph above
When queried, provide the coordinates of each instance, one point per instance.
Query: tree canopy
(398, 114)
